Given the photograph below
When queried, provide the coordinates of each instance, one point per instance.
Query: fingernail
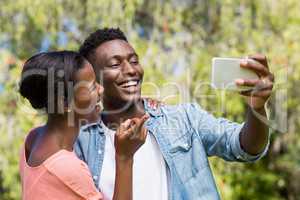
(239, 81)
(127, 122)
(244, 61)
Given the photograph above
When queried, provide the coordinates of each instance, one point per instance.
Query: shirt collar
(91, 125)
(153, 111)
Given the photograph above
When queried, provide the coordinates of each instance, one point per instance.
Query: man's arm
(254, 135)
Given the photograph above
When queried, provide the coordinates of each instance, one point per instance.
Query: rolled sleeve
(220, 136)
(242, 155)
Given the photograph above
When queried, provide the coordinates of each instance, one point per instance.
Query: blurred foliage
(176, 41)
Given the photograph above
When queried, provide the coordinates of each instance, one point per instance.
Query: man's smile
(130, 85)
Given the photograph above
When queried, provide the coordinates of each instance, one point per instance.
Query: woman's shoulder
(37, 149)
(29, 142)
(31, 137)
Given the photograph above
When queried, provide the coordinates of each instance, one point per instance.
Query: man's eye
(134, 61)
(115, 65)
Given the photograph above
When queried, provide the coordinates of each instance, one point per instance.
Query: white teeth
(130, 83)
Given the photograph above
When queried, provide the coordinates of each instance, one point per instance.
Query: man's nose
(128, 68)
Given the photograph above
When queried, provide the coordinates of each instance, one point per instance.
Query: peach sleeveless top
(61, 176)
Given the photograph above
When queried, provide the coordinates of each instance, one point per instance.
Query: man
(173, 163)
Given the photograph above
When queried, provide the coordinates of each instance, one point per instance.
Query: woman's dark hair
(45, 78)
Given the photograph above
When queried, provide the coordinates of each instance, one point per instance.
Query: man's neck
(112, 117)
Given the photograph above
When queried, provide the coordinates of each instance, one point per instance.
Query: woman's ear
(67, 110)
(67, 107)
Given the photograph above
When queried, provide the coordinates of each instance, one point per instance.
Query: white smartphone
(226, 70)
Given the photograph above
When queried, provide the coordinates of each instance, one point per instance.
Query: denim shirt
(186, 135)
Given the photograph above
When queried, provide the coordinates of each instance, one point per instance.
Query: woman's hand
(130, 136)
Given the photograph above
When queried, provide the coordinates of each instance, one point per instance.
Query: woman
(63, 83)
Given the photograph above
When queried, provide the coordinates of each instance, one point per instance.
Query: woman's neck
(65, 133)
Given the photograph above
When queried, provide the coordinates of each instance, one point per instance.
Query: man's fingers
(266, 92)
(247, 82)
(260, 58)
(255, 66)
(263, 82)
(260, 87)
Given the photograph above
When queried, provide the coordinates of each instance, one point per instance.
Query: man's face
(118, 68)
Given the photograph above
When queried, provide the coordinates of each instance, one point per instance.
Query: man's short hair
(95, 39)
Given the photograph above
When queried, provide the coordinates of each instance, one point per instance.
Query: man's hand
(257, 97)
(254, 135)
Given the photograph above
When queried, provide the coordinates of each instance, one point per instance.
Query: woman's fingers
(144, 134)
(128, 133)
(143, 119)
(139, 123)
(124, 126)
(133, 128)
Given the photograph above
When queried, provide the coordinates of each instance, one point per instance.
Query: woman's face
(87, 91)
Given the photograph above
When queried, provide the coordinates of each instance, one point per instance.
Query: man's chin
(133, 98)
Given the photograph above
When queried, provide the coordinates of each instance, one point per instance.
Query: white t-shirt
(150, 181)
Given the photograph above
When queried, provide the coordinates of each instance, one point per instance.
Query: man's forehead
(113, 48)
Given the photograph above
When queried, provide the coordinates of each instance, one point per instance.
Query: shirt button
(99, 152)
(95, 177)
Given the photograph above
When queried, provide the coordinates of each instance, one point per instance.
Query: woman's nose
(100, 89)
